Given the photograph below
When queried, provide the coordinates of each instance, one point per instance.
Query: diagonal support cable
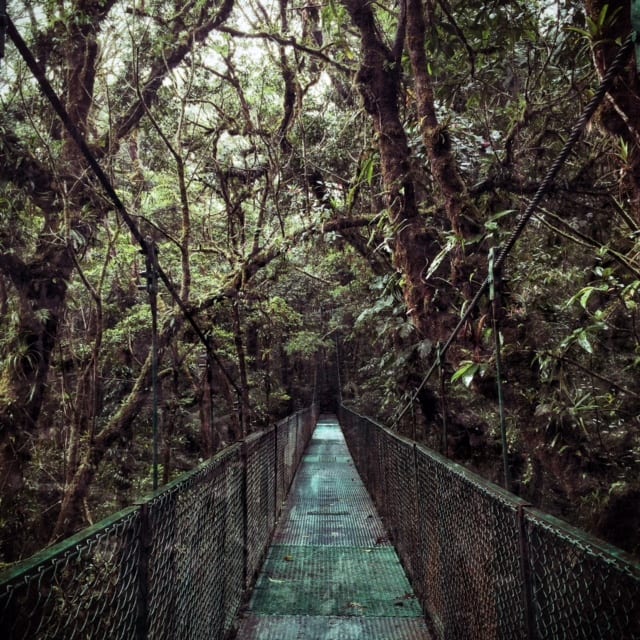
(78, 138)
(614, 69)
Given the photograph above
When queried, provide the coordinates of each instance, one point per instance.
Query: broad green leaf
(466, 372)
(583, 341)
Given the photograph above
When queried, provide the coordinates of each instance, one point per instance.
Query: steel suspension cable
(494, 285)
(614, 69)
(78, 138)
(338, 369)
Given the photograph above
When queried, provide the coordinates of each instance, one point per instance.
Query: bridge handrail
(484, 563)
(176, 564)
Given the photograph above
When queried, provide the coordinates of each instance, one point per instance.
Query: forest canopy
(319, 182)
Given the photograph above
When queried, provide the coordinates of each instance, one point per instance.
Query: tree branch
(261, 258)
(289, 42)
(166, 63)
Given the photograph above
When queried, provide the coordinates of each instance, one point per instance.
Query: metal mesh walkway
(331, 573)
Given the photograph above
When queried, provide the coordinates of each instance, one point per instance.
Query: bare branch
(289, 42)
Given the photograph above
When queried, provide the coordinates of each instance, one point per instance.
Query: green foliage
(280, 313)
(467, 371)
(223, 182)
(304, 343)
(597, 27)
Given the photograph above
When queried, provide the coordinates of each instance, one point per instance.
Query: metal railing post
(527, 593)
(142, 619)
(245, 514)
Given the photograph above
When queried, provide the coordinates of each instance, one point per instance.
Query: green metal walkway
(331, 573)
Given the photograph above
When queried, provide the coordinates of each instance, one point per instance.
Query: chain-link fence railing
(484, 563)
(175, 566)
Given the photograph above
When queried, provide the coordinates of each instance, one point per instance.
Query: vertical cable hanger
(315, 379)
(151, 275)
(493, 279)
(443, 401)
(338, 370)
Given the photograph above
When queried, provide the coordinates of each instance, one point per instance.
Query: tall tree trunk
(70, 516)
(88, 387)
(210, 437)
(23, 385)
(462, 214)
(63, 197)
(42, 282)
(378, 81)
(619, 115)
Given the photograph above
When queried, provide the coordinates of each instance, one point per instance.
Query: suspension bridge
(325, 528)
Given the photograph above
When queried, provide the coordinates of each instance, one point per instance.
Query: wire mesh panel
(85, 587)
(401, 491)
(485, 564)
(173, 567)
(306, 420)
(234, 541)
(470, 553)
(374, 442)
(580, 587)
(260, 496)
(196, 570)
(290, 449)
(429, 587)
(282, 438)
(365, 440)
(296, 454)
